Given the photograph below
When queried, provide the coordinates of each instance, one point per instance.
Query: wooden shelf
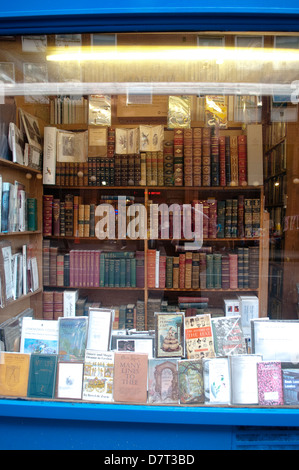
(160, 188)
(15, 234)
(17, 166)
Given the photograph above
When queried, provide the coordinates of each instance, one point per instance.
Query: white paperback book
(39, 336)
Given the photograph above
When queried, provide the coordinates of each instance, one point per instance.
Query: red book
(222, 160)
(233, 271)
(182, 300)
(242, 159)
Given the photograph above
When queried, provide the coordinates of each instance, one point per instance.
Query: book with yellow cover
(14, 372)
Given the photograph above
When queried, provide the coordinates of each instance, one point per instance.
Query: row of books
(195, 157)
(204, 270)
(18, 272)
(72, 217)
(92, 268)
(101, 378)
(18, 211)
(229, 218)
(68, 110)
(68, 303)
(275, 160)
(206, 359)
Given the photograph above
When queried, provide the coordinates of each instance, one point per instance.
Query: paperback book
(269, 378)
(163, 381)
(130, 377)
(39, 336)
(42, 376)
(14, 372)
(72, 338)
(169, 330)
(199, 337)
(98, 376)
(190, 379)
(228, 336)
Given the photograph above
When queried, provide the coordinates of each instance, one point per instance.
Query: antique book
(228, 336)
(215, 169)
(170, 340)
(234, 161)
(98, 376)
(269, 379)
(243, 368)
(72, 338)
(190, 379)
(242, 160)
(42, 376)
(130, 377)
(199, 337)
(163, 381)
(14, 372)
(206, 156)
(197, 156)
(217, 380)
(222, 170)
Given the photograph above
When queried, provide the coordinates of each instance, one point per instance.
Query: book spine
(169, 272)
(47, 215)
(215, 170)
(178, 151)
(151, 268)
(234, 160)
(195, 271)
(242, 159)
(188, 157)
(233, 271)
(222, 173)
(188, 270)
(206, 156)
(176, 272)
(182, 270)
(162, 272)
(168, 156)
(197, 156)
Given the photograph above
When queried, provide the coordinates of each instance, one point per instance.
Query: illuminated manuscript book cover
(14, 372)
(130, 377)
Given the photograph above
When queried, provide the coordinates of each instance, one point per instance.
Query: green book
(169, 272)
(32, 213)
(111, 272)
(133, 272)
(123, 272)
(42, 376)
(210, 271)
(117, 272)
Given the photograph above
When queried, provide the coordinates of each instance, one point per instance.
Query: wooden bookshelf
(32, 181)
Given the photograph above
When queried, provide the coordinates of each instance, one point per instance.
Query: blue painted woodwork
(63, 425)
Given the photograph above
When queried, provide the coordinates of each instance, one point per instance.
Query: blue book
(6, 187)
